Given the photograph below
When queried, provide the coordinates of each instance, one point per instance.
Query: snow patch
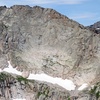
(0, 70)
(98, 28)
(19, 99)
(67, 84)
(10, 69)
(85, 85)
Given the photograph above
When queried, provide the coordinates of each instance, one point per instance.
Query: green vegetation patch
(44, 92)
(20, 79)
(68, 98)
(3, 76)
(95, 91)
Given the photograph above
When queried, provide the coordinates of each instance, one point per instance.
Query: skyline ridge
(86, 12)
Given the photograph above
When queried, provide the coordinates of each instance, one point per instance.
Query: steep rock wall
(40, 40)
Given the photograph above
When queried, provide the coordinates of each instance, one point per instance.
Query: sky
(86, 12)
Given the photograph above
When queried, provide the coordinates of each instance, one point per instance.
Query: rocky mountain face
(38, 40)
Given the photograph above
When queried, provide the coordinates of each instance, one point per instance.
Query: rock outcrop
(95, 27)
(37, 40)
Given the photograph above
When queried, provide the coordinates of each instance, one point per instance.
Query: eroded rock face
(40, 40)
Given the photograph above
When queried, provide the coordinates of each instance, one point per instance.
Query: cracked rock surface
(40, 40)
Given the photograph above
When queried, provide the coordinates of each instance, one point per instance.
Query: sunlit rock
(25, 74)
(41, 40)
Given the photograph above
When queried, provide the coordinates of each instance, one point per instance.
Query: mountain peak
(41, 40)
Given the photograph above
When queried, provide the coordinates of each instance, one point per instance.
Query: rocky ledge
(14, 87)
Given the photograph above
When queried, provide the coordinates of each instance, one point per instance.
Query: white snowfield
(85, 85)
(67, 84)
(98, 28)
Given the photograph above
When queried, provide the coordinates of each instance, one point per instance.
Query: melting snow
(10, 69)
(67, 84)
(98, 28)
(85, 85)
(19, 99)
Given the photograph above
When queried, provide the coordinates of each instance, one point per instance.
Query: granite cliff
(41, 40)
